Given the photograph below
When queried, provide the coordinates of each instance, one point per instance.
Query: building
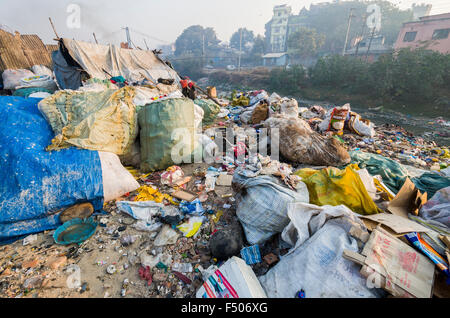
(430, 32)
(360, 48)
(284, 23)
(277, 28)
(420, 10)
(275, 59)
(22, 51)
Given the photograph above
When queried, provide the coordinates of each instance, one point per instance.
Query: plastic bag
(362, 127)
(438, 208)
(149, 193)
(42, 70)
(335, 119)
(11, 78)
(141, 210)
(191, 227)
(289, 107)
(246, 116)
(172, 175)
(166, 236)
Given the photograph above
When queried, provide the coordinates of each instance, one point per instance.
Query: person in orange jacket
(188, 88)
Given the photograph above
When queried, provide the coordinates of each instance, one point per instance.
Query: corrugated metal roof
(22, 51)
(274, 55)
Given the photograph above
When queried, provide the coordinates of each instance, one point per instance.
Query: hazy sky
(161, 20)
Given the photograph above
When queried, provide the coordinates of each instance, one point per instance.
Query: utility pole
(145, 42)
(362, 34)
(348, 30)
(54, 30)
(370, 42)
(240, 50)
(95, 38)
(203, 49)
(127, 31)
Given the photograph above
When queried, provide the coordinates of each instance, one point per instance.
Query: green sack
(431, 182)
(158, 121)
(392, 172)
(210, 109)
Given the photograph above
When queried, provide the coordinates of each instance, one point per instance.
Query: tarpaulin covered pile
(95, 59)
(37, 184)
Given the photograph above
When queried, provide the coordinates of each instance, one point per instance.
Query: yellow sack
(103, 121)
(332, 186)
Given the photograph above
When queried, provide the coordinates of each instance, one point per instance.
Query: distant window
(440, 34)
(410, 36)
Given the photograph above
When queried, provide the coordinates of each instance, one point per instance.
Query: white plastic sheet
(315, 263)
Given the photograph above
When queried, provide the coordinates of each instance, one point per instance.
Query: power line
(149, 36)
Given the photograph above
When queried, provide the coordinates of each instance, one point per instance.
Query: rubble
(171, 229)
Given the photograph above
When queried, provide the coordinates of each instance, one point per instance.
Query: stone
(33, 282)
(82, 211)
(6, 272)
(225, 244)
(160, 277)
(31, 263)
(270, 258)
(57, 262)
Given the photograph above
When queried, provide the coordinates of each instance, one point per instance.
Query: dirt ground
(20, 263)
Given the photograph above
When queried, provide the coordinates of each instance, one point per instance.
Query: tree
(331, 19)
(247, 38)
(191, 40)
(305, 43)
(259, 46)
(254, 57)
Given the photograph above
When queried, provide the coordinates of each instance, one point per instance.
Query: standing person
(188, 88)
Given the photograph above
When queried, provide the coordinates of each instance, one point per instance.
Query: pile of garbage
(123, 188)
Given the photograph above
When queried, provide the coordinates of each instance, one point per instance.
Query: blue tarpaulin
(36, 185)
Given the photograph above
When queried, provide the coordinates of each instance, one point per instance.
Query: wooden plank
(354, 257)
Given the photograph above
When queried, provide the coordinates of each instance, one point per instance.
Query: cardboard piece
(408, 200)
(445, 239)
(397, 223)
(224, 180)
(182, 181)
(406, 271)
(184, 195)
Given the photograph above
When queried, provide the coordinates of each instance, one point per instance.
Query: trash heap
(93, 203)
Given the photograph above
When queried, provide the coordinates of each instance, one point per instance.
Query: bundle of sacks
(299, 143)
(39, 82)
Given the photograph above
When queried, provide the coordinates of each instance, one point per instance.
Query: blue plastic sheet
(36, 185)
